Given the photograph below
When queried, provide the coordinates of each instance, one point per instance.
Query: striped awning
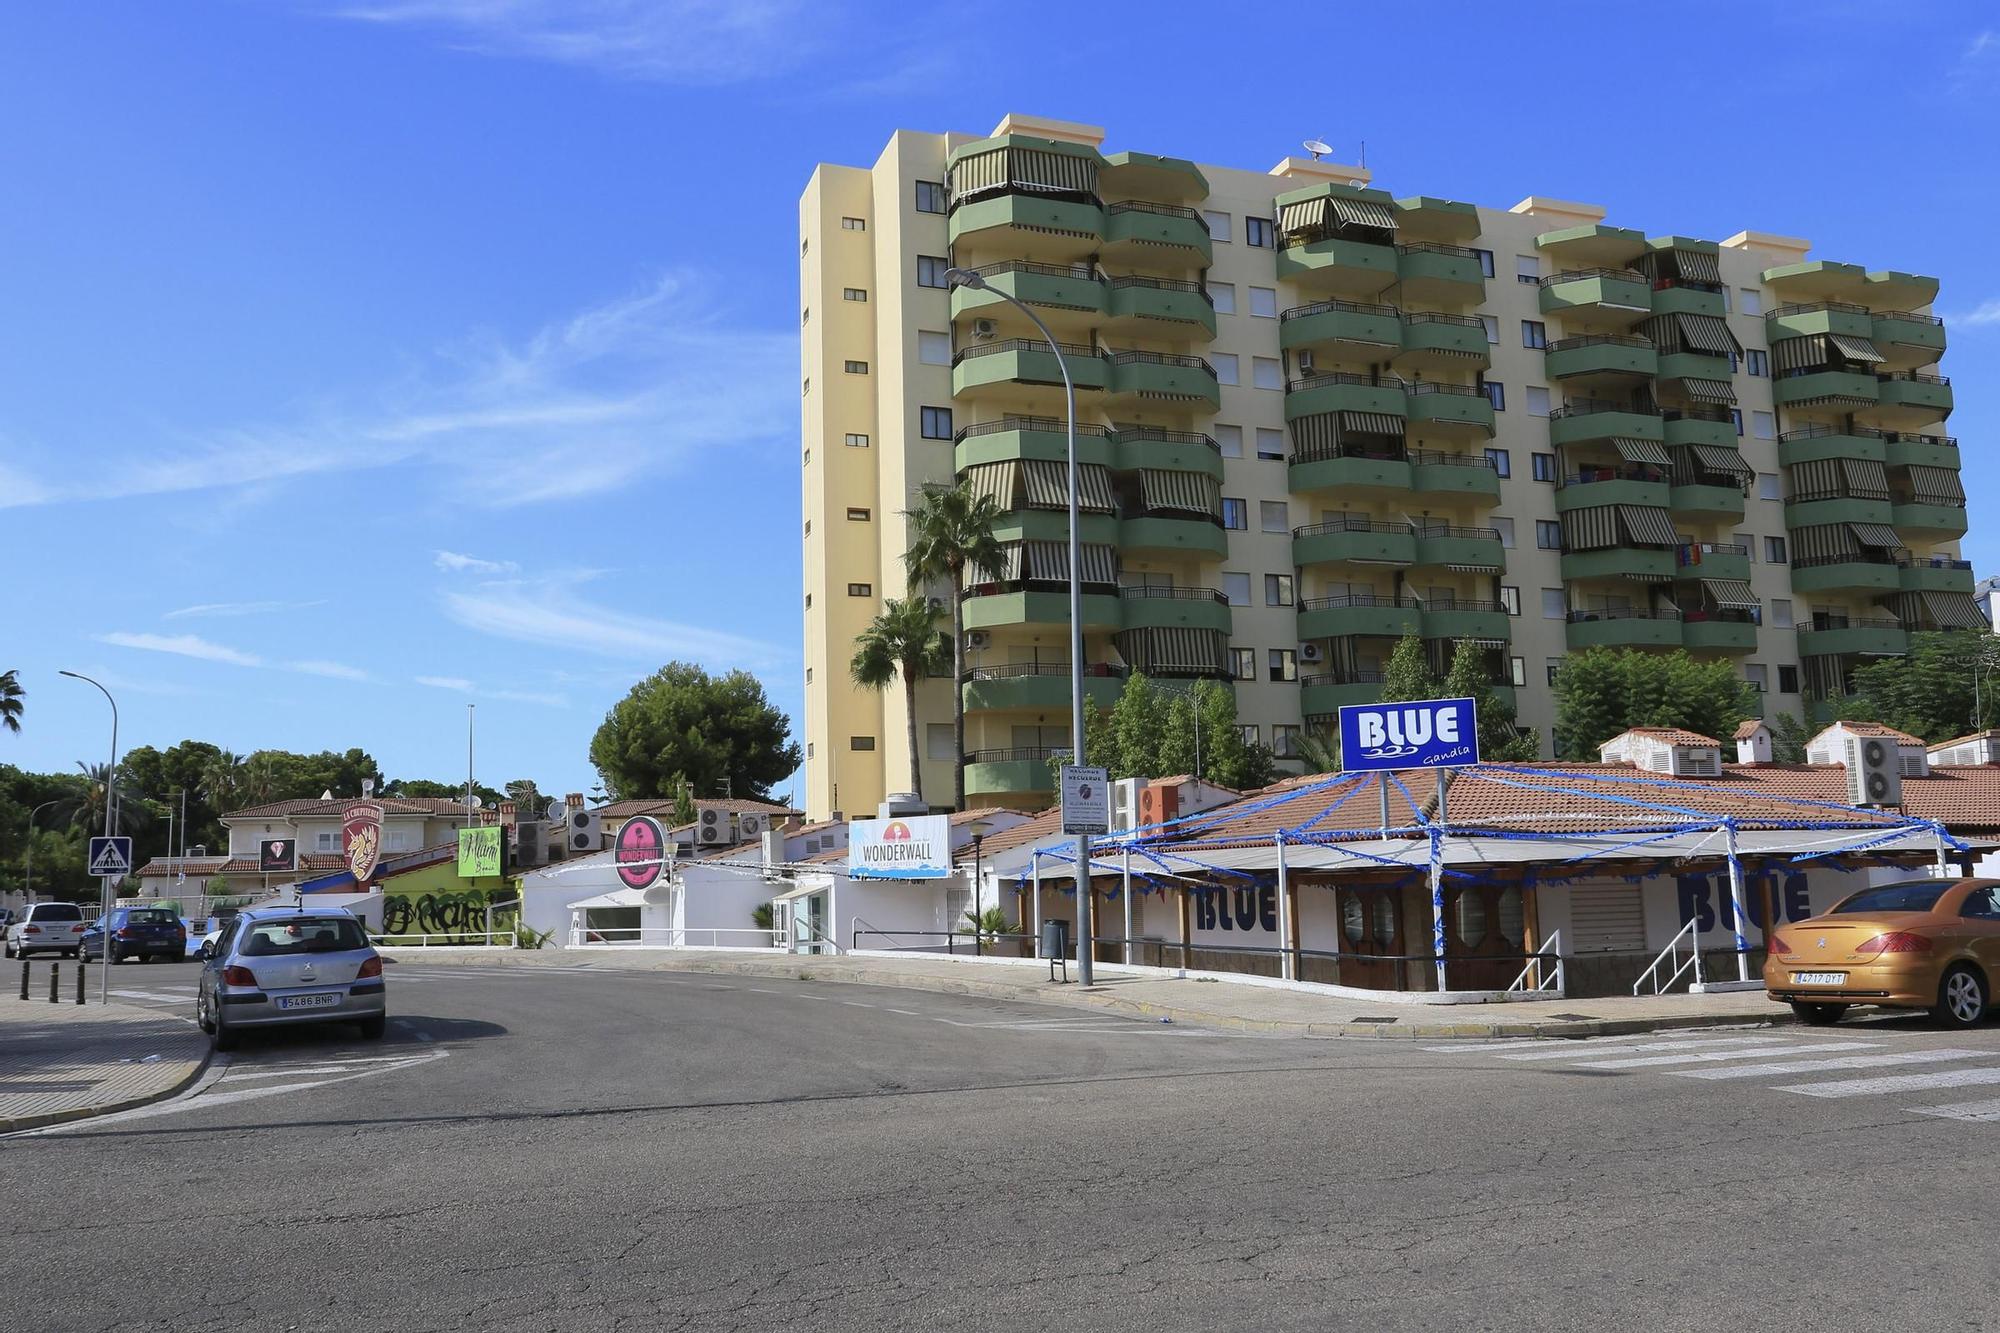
(1174, 649)
(1593, 529)
(1698, 265)
(1878, 535)
(1371, 423)
(1647, 526)
(1006, 569)
(1305, 215)
(1953, 610)
(1361, 213)
(1049, 562)
(1710, 391)
(1641, 451)
(1823, 541)
(1936, 485)
(1185, 492)
(1866, 478)
(1721, 458)
(1855, 349)
(1734, 594)
(1818, 477)
(1807, 353)
(1036, 170)
(1708, 333)
(1048, 486)
(998, 481)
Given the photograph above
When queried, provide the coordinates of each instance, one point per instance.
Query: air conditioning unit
(1159, 804)
(1305, 362)
(984, 329)
(1873, 776)
(1125, 804)
(583, 831)
(531, 844)
(711, 828)
(978, 639)
(749, 826)
(1308, 652)
(937, 605)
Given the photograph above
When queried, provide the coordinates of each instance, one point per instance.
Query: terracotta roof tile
(392, 805)
(737, 805)
(1873, 729)
(1961, 740)
(1672, 735)
(1748, 727)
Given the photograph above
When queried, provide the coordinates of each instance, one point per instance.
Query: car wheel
(1818, 1015)
(202, 1019)
(373, 1028)
(1961, 998)
(219, 1035)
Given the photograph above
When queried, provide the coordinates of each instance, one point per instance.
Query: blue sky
(367, 358)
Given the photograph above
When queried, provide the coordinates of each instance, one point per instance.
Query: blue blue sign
(111, 858)
(1423, 733)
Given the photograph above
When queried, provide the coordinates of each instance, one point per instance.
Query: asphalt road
(538, 1149)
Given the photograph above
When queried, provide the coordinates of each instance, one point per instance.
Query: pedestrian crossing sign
(110, 858)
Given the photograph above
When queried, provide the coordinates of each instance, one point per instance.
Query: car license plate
(1819, 978)
(324, 1001)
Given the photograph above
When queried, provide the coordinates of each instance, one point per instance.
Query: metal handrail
(1348, 523)
(1137, 434)
(1024, 345)
(1599, 340)
(1053, 425)
(1909, 316)
(1135, 357)
(1343, 678)
(1346, 307)
(1426, 528)
(1015, 670)
(1438, 317)
(1332, 377)
(1585, 407)
(1484, 604)
(1551, 948)
(1817, 307)
(1910, 377)
(1438, 458)
(1359, 599)
(1672, 954)
(1635, 473)
(1162, 210)
(1435, 248)
(1852, 622)
(1084, 272)
(1176, 594)
(1163, 284)
(445, 937)
(1585, 615)
(1715, 548)
(1433, 386)
(1820, 432)
(1697, 412)
(993, 587)
(1583, 274)
(1866, 557)
(1015, 754)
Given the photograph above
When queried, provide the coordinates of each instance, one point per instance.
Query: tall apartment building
(1316, 417)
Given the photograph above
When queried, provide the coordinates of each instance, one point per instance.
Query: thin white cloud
(454, 563)
(543, 617)
(331, 670)
(461, 685)
(1987, 312)
(206, 609)
(1982, 44)
(181, 645)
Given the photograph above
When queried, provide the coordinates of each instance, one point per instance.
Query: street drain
(1576, 1018)
(1371, 1020)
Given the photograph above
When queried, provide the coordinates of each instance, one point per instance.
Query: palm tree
(259, 780)
(1319, 751)
(951, 531)
(222, 781)
(131, 811)
(902, 640)
(11, 695)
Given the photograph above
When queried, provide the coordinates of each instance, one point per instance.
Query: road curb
(15, 1124)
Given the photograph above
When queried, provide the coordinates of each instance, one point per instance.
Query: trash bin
(1055, 939)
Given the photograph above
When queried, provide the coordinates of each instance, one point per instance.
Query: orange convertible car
(1924, 944)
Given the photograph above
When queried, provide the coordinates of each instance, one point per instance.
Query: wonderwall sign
(1421, 733)
(911, 847)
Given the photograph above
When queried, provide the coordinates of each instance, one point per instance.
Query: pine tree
(1408, 675)
(1470, 679)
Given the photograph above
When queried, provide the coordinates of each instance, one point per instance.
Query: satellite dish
(556, 811)
(1318, 148)
(476, 802)
(1358, 184)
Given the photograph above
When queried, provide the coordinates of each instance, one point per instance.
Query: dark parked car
(138, 932)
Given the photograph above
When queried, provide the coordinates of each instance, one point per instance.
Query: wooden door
(1484, 936)
(1371, 937)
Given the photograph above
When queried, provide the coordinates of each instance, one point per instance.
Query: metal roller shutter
(1607, 919)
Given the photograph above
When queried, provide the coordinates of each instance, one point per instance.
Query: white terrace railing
(503, 938)
(672, 937)
(1545, 978)
(1671, 955)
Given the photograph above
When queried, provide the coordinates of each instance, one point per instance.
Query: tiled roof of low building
(1748, 728)
(1674, 735)
(1874, 729)
(391, 805)
(735, 805)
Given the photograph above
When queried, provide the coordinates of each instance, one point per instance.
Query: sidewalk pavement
(1224, 1005)
(67, 1061)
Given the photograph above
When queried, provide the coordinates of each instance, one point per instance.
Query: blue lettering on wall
(1237, 909)
(1705, 899)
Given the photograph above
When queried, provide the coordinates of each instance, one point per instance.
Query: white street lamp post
(110, 818)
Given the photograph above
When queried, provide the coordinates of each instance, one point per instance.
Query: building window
(1229, 440)
(1736, 419)
(1538, 400)
(853, 224)
(1767, 486)
(938, 742)
(1285, 740)
(1555, 604)
(1266, 372)
(860, 742)
(935, 423)
(1505, 527)
(1758, 675)
(1545, 466)
(1263, 301)
(855, 515)
(1236, 516)
(1750, 301)
(930, 199)
(1277, 590)
(1534, 333)
(1496, 394)
(857, 367)
(1548, 534)
(1283, 664)
(1223, 296)
(1270, 444)
(1491, 323)
(1502, 461)
(1224, 365)
(1510, 600)
(1248, 731)
(1774, 550)
(1274, 515)
(1257, 232)
(933, 349)
(856, 440)
(854, 293)
(1749, 545)
(930, 271)
(1485, 258)
(1517, 671)
(1236, 588)
(1758, 360)
(1788, 680)
(1781, 612)
(1763, 425)
(1528, 269)
(1218, 225)
(1243, 662)
(860, 590)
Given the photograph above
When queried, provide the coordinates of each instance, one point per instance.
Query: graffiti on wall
(448, 914)
(1705, 898)
(1237, 909)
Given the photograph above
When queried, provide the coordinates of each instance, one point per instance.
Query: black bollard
(82, 973)
(25, 967)
(55, 983)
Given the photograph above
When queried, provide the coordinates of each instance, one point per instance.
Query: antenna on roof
(1318, 148)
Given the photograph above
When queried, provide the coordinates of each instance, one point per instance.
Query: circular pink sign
(640, 852)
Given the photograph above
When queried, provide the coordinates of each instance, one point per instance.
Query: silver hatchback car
(280, 965)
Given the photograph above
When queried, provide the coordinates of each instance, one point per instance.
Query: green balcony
(1601, 354)
(1810, 446)
(1442, 546)
(1840, 509)
(1449, 411)
(1175, 535)
(1912, 338)
(1855, 575)
(1942, 575)
(1713, 560)
(1706, 501)
(1646, 564)
(1052, 525)
(1904, 399)
(1340, 392)
(997, 610)
(1018, 363)
(1340, 541)
(1151, 176)
(1923, 451)
(1323, 696)
(1350, 474)
(1700, 430)
(1028, 226)
(1599, 298)
(1457, 341)
(1436, 473)
(1831, 387)
(1050, 286)
(1619, 629)
(1161, 306)
(1135, 230)
(1581, 424)
(1467, 620)
(1929, 520)
(1038, 687)
(1365, 615)
(1817, 280)
(1592, 243)
(997, 776)
(1156, 375)
(1171, 450)
(1175, 608)
(1346, 268)
(1044, 438)
(1688, 301)
(1889, 289)
(1343, 329)
(1719, 636)
(1696, 366)
(1446, 274)
(1805, 320)
(1612, 491)
(1866, 638)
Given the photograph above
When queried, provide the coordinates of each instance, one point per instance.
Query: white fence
(504, 939)
(673, 937)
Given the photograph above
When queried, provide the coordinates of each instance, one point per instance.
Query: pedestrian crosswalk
(1877, 1066)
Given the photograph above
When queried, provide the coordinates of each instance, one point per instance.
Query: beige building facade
(1314, 416)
